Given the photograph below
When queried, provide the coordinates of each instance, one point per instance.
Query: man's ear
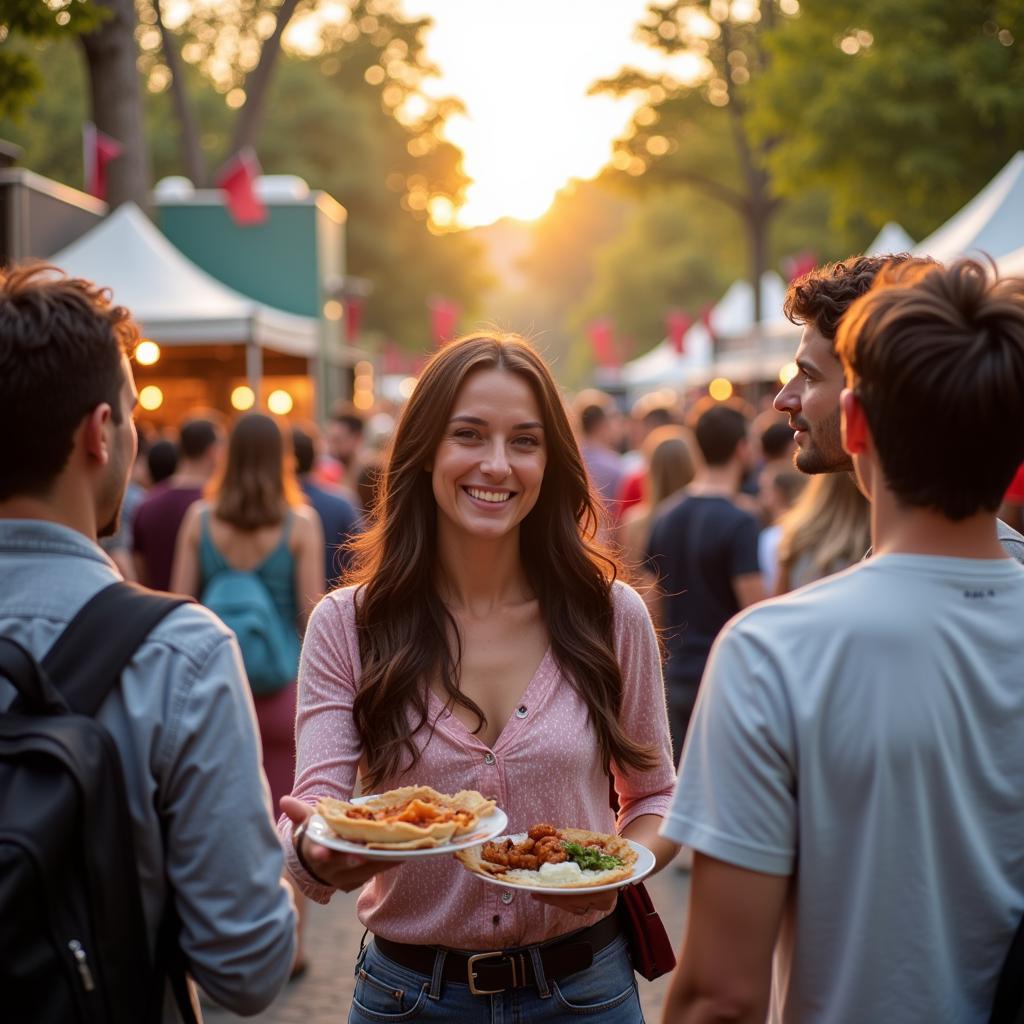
(94, 430)
(854, 423)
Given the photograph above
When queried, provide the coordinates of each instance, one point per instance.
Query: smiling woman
(485, 644)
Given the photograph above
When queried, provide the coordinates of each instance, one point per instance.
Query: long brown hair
(405, 630)
(257, 483)
(830, 522)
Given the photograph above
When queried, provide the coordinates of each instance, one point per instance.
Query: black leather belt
(490, 973)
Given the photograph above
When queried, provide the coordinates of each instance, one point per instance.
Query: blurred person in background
(780, 489)
(1012, 509)
(647, 415)
(339, 519)
(599, 436)
(828, 529)
(120, 545)
(670, 465)
(254, 523)
(161, 461)
(703, 549)
(343, 437)
(160, 515)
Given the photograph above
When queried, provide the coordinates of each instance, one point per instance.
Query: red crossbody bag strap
(649, 945)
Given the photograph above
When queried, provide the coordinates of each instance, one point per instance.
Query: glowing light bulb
(280, 402)
(242, 398)
(151, 397)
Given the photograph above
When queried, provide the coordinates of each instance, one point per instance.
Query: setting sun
(523, 71)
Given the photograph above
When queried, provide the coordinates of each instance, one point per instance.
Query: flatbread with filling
(410, 818)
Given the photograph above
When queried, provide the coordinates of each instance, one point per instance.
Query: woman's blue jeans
(604, 993)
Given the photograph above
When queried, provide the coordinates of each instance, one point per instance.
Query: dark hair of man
(936, 357)
(348, 417)
(823, 295)
(305, 451)
(256, 485)
(719, 428)
(406, 634)
(591, 417)
(776, 441)
(197, 437)
(659, 416)
(61, 344)
(162, 459)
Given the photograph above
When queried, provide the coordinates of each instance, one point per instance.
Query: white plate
(641, 869)
(486, 828)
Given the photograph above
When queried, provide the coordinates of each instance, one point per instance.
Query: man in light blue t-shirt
(852, 782)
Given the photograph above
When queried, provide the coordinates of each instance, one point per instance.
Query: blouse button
(488, 758)
(521, 711)
(507, 897)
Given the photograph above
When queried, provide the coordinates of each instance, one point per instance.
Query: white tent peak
(734, 311)
(891, 239)
(990, 223)
(175, 301)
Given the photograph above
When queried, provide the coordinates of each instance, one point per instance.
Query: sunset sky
(523, 69)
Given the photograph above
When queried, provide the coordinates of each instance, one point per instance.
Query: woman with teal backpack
(253, 554)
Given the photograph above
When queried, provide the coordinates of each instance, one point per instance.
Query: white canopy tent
(174, 301)
(891, 239)
(732, 321)
(1012, 265)
(991, 223)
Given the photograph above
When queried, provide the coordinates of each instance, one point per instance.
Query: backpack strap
(24, 673)
(88, 658)
(89, 655)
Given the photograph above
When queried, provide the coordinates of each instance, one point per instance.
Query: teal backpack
(269, 649)
(243, 602)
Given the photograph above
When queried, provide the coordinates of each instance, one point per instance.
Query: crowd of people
(564, 606)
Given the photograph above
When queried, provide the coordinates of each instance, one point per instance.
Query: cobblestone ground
(322, 996)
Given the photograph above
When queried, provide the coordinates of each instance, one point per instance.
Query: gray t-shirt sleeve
(736, 799)
(224, 860)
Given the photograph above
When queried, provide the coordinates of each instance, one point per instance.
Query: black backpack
(73, 940)
(1008, 1007)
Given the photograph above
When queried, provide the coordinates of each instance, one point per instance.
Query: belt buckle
(471, 974)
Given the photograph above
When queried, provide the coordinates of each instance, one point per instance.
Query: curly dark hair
(821, 296)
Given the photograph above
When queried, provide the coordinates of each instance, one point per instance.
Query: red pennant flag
(98, 149)
(444, 318)
(799, 264)
(237, 178)
(677, 323)
(354, 307)
(602, 341)
(391, 358)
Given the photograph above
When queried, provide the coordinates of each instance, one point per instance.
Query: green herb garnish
(591, 859)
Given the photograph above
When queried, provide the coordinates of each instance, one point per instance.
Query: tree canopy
(902, 109)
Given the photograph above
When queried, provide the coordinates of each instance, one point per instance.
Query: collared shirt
(183, 722)
(544, 767)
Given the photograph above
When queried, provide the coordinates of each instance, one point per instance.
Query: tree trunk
(190, 146)
(116, 99)
(257, 83)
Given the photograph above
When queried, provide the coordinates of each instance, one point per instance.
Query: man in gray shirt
(182, 718)
(818, 301)
(852, 779)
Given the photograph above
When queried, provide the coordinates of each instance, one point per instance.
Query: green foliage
(673, 252)
(558, 269)
(50, 131)
(902, 109)
(326, 123)
(30, 21)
